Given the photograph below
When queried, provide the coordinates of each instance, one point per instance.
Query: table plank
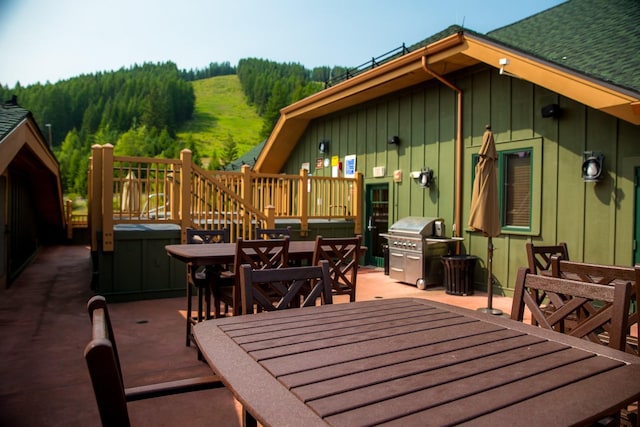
(356, 350)
(368, 361)
(276, 334)
(365, 310)
(476, 394)
(429, 366)
(593, 401)
(364, 332)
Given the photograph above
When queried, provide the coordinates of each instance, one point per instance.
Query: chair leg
(200, 301)
(202, 290)
(207, 297)
(188, 316)
(247, 419)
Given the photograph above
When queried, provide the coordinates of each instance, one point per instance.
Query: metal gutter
(294, 118)
(458, 191)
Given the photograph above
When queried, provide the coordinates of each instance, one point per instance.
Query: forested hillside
(270, 86)
(150, 110)
(224, 126)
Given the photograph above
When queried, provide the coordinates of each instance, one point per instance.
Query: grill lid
(415, 226)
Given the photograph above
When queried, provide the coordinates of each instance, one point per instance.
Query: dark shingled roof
(597, 38)
(11, 115)
(248, 158)
(454, 29)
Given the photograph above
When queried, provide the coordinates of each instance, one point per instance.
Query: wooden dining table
(224, 253)
(411, 362)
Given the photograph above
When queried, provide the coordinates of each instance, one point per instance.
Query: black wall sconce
(551, 110)
(394, 140)
(324, 146)
(592, 165)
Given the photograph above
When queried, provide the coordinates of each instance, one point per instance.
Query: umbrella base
(493, 311)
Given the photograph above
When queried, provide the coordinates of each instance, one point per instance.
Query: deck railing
(136, 190)
(74, 220)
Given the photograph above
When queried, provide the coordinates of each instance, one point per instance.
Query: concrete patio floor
(45, 328)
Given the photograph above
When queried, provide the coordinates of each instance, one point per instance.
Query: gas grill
(416, 246)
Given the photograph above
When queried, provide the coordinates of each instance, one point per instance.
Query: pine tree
(229, 151)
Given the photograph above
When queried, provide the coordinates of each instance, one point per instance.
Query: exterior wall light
(394, 140)
(425, 179)
(324, 146)
(592, 165)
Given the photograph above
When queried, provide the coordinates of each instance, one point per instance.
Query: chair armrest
(172, 387)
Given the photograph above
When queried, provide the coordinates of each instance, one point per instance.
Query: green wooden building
(557, 89)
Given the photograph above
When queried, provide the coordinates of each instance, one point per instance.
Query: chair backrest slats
(343, 255)
(201, 275)
(259, 255)
(539, 256)
(277, 289)
(222, 235)
(272, 233)
(603, 275)
(574, 307)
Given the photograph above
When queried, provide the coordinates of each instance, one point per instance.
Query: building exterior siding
(595, 219)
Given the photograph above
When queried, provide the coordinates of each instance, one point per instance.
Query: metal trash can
(458, 274)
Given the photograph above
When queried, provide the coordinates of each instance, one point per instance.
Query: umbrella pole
(489, 309)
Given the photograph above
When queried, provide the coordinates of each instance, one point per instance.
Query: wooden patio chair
(601, 306)
(260, 255)
(200, 278)
(101, 355)
(281, 288)
(613, 314)
(343, 254)
(272, 233)
(539, 256)
(539, 259)
(604, 275)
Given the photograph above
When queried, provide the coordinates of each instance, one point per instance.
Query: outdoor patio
(45, 328)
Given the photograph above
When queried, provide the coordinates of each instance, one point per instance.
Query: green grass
(221, 110)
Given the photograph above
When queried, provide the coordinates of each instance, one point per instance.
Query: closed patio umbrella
(484, 215)
(130, 201)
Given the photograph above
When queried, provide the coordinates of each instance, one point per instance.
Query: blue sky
(49, 40)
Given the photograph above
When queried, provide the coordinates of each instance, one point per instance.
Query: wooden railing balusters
(181, 193)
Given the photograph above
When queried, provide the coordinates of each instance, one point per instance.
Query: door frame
(371, 238)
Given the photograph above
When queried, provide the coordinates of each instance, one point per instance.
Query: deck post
(270, 212)
(184, 186)
(247, 192)
(95, 194)
(107, 198)
(303, 202)
(68, 216)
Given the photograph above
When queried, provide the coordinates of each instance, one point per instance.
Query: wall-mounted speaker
(551, 110)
